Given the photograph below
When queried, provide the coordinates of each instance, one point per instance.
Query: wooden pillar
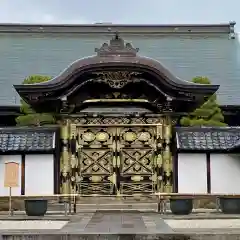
(65, 166)
(167, 155)
(73, 156)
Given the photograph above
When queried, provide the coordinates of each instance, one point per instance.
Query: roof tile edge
(175, 29)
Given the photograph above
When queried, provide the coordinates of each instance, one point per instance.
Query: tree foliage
(29, 117)
(209, 114)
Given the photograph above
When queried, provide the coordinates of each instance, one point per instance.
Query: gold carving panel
(117, 156)
(95, 151)
(95, 136)
(137, 146)
(137, 171)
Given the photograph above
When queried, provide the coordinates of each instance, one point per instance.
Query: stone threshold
(120, 236)
(31, 218)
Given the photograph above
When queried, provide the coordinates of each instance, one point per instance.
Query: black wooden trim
(175, 172)
(175, 161)
(23, 174)
(28, 153)
(208, 161)
(233, 150)
(56, 162)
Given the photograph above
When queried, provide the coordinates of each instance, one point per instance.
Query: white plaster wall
(16, 191)
(192, 173)
(225, 173)
(39, 174)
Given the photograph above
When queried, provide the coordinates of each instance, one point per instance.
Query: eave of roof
(27, 139)
(173, 29)
(208, 139)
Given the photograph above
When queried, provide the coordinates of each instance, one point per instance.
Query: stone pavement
(134, 224)
(117, 222)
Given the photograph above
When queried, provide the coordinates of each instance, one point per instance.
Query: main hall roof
(186, 50)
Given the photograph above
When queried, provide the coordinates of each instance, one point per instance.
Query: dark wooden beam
(23, 174)
(208, 160)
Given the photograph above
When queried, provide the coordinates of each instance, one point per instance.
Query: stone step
(106, 206)
(94, 203)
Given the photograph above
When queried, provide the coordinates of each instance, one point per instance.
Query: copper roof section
(118, 54)
(115, 56)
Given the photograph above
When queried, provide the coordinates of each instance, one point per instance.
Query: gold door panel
(96, 162)
(137, 150)
(136, 171)
(95, 146)
(96, 169)
(122, 159)
(136, 161)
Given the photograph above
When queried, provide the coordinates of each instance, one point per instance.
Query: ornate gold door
(96, 173)
(116, 160)
(136, 150)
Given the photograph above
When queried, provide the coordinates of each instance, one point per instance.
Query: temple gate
(112, 156)
(116, 111)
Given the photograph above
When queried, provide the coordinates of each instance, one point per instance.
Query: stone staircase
(94, 203)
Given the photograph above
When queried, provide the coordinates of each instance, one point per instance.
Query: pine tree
(209, 114)
(29, 117)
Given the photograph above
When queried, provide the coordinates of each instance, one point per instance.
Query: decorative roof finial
(116, 35)
(118, 47)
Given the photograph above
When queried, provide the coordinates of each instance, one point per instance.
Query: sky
(119, 11)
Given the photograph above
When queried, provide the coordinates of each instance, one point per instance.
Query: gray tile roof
(208, 138)
(26, 140)
(188, 55)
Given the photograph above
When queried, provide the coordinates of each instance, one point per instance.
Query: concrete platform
(121, 225)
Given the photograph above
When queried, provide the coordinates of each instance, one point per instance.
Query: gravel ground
(17, 225)
(204, 223)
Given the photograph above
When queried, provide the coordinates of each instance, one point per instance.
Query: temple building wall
(217, 173)
(34, 149)
(208, 160)
(192, 173)
(36, 174)
(39, 174)
(225, 173)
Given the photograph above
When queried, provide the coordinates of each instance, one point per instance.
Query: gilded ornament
(102, 136)
(95, 178)
(159, 131)
(64, 132)
(73, 161)
(117, 79)
(65, 171)
(114, 161)
(88, 136)
(168, 187)
(73, 130)
(159, 145)
(113, 178)
(153, 177)
(167, 132)
(144, 136)
(130, 136)
(159, 160)
(166, 153)
(118, 161)
(160, 178)
(78, 179)
(137, 178)
(137, 167)
(95, 168)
